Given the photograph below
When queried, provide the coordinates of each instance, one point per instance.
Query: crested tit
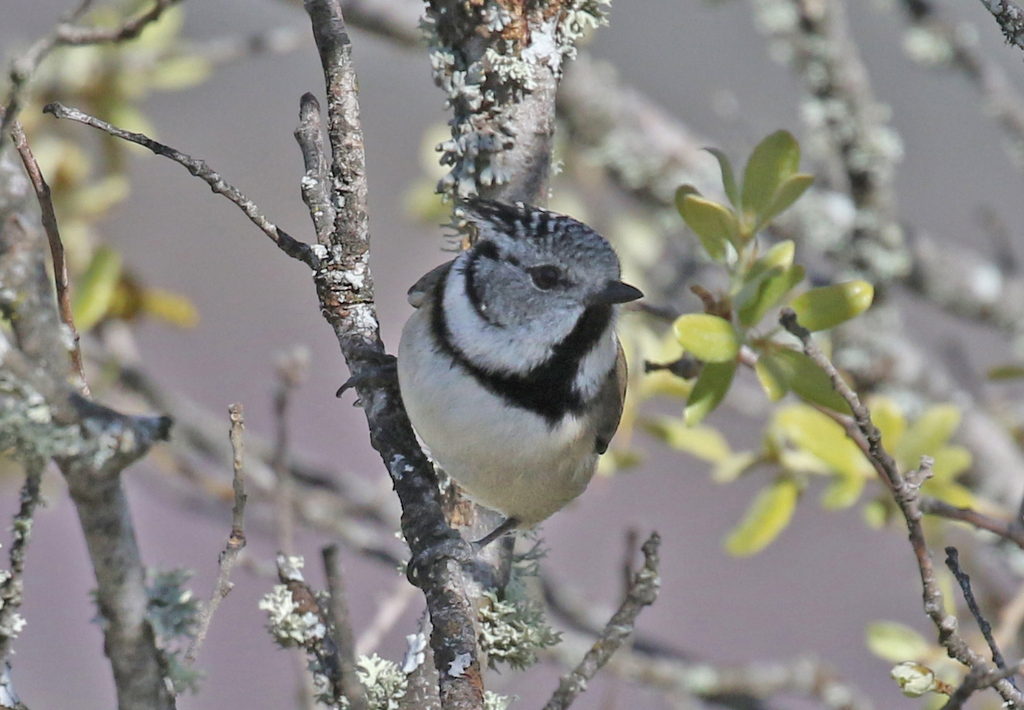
(510, 368)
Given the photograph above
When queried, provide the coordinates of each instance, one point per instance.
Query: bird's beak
(616, 292)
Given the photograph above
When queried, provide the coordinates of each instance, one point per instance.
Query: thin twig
(291, 370)
(288, 244)
(12, 587)
(346, 683)
(642, 592)
(906, 492)
(60, 268)
(68, 34)
(1010, 18)
(1004, 529)
(236, 540)
(953, 562)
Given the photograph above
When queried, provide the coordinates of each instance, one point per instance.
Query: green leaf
(733, 467)
(813, 384)
(96, 290)
(709, 391)
(828, 306)
(928, 434)
(728, 180)
(707, 337)
(950, 462)
(888, 417)
(774, 375)
(768, 515)
(814, 432)
(843, 492)
(714, 224)
(767, 293)
(895, 642)
(785, 195)
(774, 160)
(703, 442)
(1005, 372)
(875, 514)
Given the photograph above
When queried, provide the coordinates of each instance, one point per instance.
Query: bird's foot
(452, 548)
(383, 369)
(509, 525)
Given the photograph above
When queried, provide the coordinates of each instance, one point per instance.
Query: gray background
(812, 591)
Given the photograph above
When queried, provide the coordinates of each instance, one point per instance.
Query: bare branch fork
(337, 202)
(906, 492)
(45, 417)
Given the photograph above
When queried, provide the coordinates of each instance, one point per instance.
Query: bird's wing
(419, 290)
(608, 407)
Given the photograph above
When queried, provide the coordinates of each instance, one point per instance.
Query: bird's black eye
(545, 277)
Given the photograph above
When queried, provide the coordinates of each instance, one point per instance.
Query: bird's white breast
(506, 457)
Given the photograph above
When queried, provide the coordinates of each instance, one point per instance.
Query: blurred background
(811, 593)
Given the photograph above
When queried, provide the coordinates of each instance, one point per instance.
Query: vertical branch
(60, 268)
(847, 127)
(236, 540)
(345, 289)
(12, 586)
(42, 416)
(499, 66)
(347, 683)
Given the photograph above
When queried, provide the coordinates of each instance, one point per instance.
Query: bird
(510, 368)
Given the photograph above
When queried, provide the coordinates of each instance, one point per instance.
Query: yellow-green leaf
(709, 391)
(812, 383)
(1005, 372)
(170, 307)
(953, 493)
(767, 292)
(768, 515)
(774, 160)
(787, 193)
(732, 467)
(774, 376)
(816, 433)
(728, 179)
(182, 72)
(928, 434)
(713, 223)
(888, 417)
(96, 290)
(876, 514)
(707, 337)
(704, 442)
(843, 492)
(781, 256)
(98, 197)
(950, 462)
(828, 306)
(895, 642)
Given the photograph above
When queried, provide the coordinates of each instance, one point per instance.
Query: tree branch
(1010, 18)
(345, 288)
(288, 244)
(906, 492)
(236, 539)
(643, 590)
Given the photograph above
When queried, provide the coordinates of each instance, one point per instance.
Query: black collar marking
(547, 389)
